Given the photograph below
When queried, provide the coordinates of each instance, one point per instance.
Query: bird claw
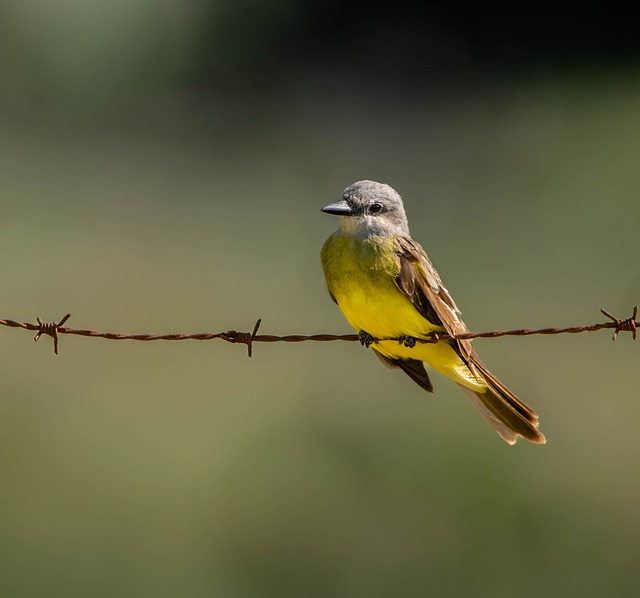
(366, 340)
(407, 341)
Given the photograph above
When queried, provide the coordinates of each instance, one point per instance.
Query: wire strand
(55, 329)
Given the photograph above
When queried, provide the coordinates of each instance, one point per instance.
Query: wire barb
(50, 329)
(628, 325)
(245, 338)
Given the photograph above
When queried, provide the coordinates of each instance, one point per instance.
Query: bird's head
(370, 209)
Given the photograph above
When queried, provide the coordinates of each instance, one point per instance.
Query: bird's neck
(366, 227)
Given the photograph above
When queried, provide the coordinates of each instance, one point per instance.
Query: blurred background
(162, 167)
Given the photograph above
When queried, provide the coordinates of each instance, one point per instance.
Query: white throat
(363, 227)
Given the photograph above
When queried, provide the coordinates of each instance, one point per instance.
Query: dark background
(162, 166)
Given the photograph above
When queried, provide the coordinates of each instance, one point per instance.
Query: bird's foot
(407, 341)
(366, 340)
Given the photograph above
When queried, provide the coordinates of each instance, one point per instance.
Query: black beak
(339, 208)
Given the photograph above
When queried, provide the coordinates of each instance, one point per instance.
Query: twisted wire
(55, 329)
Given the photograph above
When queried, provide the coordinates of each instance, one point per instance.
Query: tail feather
(503, 429)
(504, 411)
(493, 382)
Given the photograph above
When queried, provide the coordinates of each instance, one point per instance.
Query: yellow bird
(386, 287)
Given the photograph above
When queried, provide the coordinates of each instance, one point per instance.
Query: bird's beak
(339, 208)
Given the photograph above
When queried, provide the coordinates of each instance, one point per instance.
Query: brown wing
(418, 279)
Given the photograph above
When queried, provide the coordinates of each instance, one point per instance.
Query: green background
(158, 178)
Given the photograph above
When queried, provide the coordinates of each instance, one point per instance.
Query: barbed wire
(55, 329)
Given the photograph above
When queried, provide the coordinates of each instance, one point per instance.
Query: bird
(391, 294)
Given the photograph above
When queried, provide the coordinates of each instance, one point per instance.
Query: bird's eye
(374, 208)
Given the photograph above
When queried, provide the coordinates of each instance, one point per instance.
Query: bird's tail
(504, 411)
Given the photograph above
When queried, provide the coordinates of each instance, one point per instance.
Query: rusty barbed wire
(54, 329)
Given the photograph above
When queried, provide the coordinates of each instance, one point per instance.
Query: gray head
(370, 209)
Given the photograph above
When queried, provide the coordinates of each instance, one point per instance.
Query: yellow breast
(360, 274)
